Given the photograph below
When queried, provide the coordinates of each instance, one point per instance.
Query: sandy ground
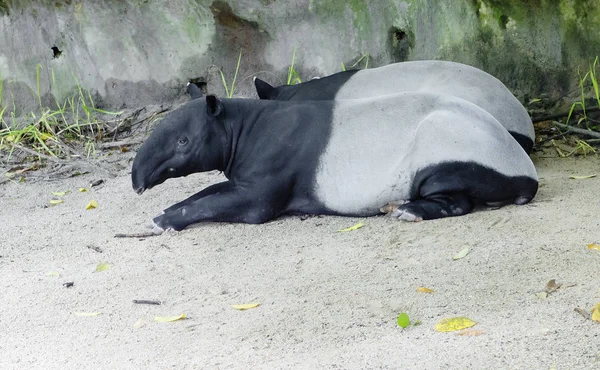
(328, 299)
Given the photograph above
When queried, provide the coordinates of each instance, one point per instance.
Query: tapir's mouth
(140, 191)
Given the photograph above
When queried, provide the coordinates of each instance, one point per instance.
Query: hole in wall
(400, 42)
(56, 52)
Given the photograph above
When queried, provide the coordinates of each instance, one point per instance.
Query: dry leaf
(470, 333)
(552, 286)
(91, 205)
(582, 177)
(461, 254)
(583, 313)
(60, 193)
(138, 324)
(541, 295)
(56, 201)
(596, 313)
(352, 228)
(82, 190)
(454, 324)
(243, 307)
(425, 290)
(102, 267)
(594, 246)
(169, 318)
(86, 314)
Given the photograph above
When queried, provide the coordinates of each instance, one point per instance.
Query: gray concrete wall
(136, 52)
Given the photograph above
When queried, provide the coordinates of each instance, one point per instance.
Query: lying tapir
(463, 81)
(436, 155)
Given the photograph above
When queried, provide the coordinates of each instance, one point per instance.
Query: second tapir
(433, 76)
(434, 154)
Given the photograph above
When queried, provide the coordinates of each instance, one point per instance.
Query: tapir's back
(460, 80)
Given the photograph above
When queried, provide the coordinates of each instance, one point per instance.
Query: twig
(115, 144)
(552, 117)
(145, 301)
(136, 235)
(579, 131)
(33, 152)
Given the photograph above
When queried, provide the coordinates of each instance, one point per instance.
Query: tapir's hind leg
(452, 189)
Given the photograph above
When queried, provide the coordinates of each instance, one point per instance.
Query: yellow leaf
(60, 193)
(56, 201)
(91, 205)
(169, 318)
(594, 246)
(53, 273)
(243, 307)
(44, 136)
(461, 254)
(454, 324)
(82, 190)
(582, 177)
(596, 313)
(352, 228)
(102, 267)
(425, 290)
(470, 333)
(86, 314)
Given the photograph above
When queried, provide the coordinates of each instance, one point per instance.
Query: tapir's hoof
(157, 230)
(405, 215)
(392, 207)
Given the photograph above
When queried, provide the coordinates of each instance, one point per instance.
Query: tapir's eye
(183, 141)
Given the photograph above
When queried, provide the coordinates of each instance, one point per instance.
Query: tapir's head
(189, 139)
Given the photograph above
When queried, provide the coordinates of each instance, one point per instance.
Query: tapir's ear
(194, 91)
(263, 89)
(213, 105)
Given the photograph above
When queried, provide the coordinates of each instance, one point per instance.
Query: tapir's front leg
(232, 205)
(213, 189)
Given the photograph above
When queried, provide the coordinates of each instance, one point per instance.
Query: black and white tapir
(433, 154)
(460, 80)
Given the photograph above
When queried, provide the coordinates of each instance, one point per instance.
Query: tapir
(433, 154)
(460, 80)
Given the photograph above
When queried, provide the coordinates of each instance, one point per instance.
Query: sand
(327, 299)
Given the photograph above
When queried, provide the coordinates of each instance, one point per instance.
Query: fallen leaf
(243, 307)
(582, 177)
(461, 254)
(352, 228)
(470, 333)
(102, 267)
(552, 286)
(53, 273)
(541, 295)
(454, 324)
(91, 205)
(60, 193)
(169, 318)
(594, 246)
(82, 190)
(56, 201)
(425, 290)
(596, 313)
(583, 313)
(138, 324)
(403, 320)
(86, 314)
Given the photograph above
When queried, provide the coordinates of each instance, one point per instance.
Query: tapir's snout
(139, 190)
